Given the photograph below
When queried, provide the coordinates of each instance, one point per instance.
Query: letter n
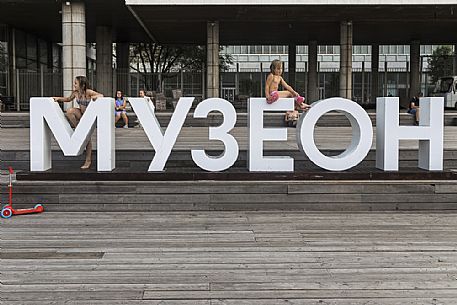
(430, 133)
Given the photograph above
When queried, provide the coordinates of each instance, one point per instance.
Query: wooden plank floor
(229, 258)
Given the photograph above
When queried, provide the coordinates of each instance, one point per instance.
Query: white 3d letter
(230, 154)
(162, 143)
(258, 134)
(429, 133)
(46, 117)
(362, 134)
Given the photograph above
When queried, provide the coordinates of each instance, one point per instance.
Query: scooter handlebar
(11, 170)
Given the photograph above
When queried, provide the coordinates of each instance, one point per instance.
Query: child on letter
(274, 79)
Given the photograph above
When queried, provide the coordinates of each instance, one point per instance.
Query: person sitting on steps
(413, 107)
(120, 104)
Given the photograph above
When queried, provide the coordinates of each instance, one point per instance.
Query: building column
(123, 67)
(292, 64)
(313, 92)
(414, 66)
(73, 44)
(104, 60)
(374, 72)
(346, 59)
(212, 59)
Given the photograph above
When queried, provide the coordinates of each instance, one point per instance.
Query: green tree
(169, 60)
(440, 63)
(3, 58)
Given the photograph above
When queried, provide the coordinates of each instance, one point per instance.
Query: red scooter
(8, 210)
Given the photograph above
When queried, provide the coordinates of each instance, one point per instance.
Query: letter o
(362, 134)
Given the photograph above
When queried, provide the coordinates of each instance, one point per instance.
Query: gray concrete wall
(212, 62)
(346, 59)
(104, 61)
(73, 44)
(313, 93)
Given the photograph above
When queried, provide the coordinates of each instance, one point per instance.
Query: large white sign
(47, 118)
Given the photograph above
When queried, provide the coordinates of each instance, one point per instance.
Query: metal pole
(203, 82)
(420, 72)
(319, 80)
(363, 82)
(18, 103)
(385, 78)
(426, 82)
(306, 77)
(42, 80)
(237, 78)
(407, 81)
(138, 78)
(261, 79)
(182, 82)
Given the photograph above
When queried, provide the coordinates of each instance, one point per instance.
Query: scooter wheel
(7, 212)
(39, 207)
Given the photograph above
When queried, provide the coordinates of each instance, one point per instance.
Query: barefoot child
(83, 95)
(274, 79)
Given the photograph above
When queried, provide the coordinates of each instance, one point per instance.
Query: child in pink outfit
(274, 79)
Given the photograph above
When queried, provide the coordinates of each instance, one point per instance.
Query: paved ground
(232, 258)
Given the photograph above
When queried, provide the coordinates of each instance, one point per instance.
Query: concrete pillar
(414, 59)
(73, 44)
(374, 72)
(292, 60)
(346, 59)
(313, 92)
(212, 59)
(123, 67)
(104, 60)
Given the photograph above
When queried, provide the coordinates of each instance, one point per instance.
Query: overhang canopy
(292, 21)
(43, 18)
(246, 22)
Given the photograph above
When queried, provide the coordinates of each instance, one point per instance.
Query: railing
(233, 85)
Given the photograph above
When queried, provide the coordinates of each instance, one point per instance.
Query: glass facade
(33, 52)
(327, 49)
(35, 70)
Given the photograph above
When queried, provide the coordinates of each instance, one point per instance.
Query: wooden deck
(229, 258)
(229, 242)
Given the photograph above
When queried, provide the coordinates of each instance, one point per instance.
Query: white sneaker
(126, 126)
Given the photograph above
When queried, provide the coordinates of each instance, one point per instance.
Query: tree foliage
(441, 62)
(169, 60)
(3, 57)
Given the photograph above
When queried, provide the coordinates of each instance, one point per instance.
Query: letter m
(47, 118)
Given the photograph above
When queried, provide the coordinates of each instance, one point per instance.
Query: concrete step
(247, 195)
(139, 160)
